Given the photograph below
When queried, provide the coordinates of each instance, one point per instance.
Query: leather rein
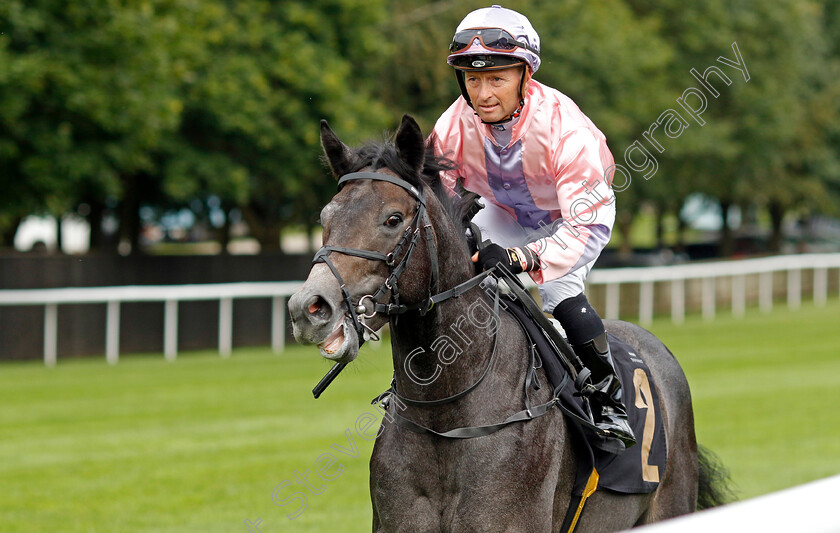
(358, 312)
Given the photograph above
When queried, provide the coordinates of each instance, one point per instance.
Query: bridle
(396, 261)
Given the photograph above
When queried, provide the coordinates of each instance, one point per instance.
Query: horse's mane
(384, 155)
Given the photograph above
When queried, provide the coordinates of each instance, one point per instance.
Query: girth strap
(478, 431)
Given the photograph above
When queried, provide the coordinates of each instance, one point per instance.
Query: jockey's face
(495, 93)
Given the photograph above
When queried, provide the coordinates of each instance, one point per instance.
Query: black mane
(384, 155)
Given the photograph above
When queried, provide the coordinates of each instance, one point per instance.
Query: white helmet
(494, 38)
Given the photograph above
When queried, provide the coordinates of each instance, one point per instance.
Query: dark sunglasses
(492, 38)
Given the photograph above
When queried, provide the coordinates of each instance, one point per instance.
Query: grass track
(199, 445)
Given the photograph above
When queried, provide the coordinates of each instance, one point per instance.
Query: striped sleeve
(586, 203)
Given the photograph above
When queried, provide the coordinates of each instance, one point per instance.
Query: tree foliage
(161, 104)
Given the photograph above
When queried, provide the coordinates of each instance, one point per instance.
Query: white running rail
(811, 507)
(170, 295)
(612, 280)
(708, 273)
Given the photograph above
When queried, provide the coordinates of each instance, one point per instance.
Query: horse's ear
(411, 146)
(338, 156)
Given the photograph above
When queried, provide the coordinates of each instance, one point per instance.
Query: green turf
(200, 444)
(766, 392)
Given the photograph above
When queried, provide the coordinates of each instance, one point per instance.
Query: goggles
(495, 39)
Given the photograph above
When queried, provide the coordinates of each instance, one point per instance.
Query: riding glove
(515, 260)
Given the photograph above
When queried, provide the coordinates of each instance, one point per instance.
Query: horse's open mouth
(342, 345)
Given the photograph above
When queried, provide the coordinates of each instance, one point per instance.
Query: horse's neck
(448, 349)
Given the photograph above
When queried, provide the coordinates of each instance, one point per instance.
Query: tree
(613, 64)
(87, 92)
(756, 131)
(249, 132)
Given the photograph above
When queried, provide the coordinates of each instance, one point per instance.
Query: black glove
(515, 260)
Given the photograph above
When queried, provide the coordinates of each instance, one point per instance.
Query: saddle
(635, 470)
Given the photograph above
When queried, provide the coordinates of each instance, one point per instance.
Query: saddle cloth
(637, 469)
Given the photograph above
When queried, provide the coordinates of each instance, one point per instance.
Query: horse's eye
(393, 221)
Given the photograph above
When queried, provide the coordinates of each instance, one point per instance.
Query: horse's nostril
(319, 307)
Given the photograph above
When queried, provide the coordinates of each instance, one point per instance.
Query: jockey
(539, 165)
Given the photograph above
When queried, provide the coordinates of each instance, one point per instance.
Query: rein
(358, 311)
(529, 413)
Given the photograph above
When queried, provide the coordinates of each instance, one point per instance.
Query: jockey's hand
(515, 260)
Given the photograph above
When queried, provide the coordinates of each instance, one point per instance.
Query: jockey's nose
(485, 91)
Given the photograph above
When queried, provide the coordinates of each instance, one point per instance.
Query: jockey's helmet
(494, 38)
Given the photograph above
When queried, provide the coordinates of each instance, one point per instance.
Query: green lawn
(766, 392)
(200, 444)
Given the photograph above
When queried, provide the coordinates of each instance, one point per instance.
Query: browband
(414, 191)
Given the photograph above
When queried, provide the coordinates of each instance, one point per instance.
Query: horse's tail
(714, 484)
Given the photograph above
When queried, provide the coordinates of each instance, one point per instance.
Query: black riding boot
(600, 384)
(604, 390)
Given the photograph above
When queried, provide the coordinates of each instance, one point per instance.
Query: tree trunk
(267, 232)
(681, 228)
(223, 233)
(7, 235)
(727, 242)
(660, 228)
(59, 235)
(624, 222)
(130, 213)
(96, 241)
(777, 215)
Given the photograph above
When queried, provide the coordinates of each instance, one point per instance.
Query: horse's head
(374, 231)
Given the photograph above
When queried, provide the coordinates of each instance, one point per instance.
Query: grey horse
(518, 478)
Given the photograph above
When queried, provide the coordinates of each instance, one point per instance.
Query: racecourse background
(201, 443)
